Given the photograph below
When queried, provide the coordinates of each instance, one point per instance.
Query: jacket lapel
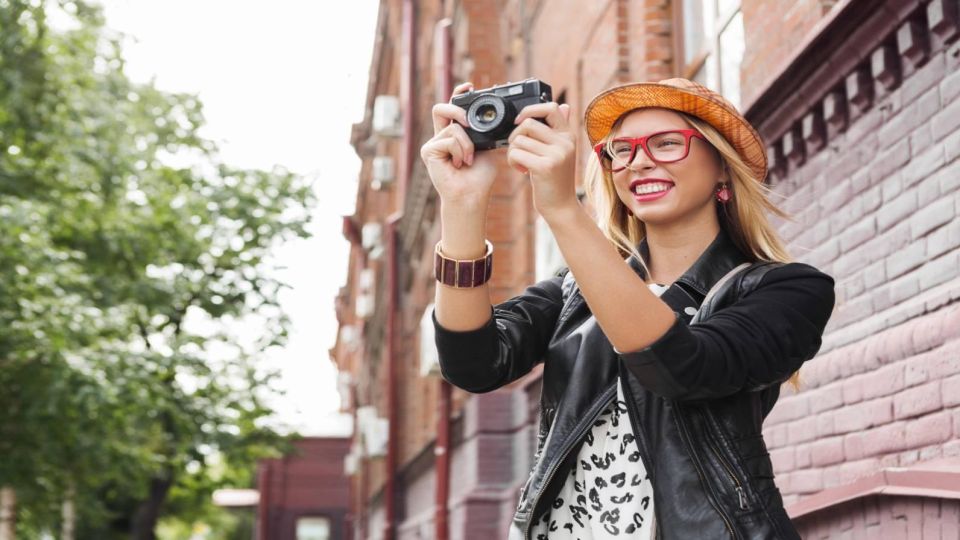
(686, 294)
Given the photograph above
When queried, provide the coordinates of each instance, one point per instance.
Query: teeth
(654, 187)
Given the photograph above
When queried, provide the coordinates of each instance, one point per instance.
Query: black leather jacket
(697, 397)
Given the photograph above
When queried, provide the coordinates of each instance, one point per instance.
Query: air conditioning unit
(382, 172)
(345, 389)
(373, 430)
(366, 302)
(429, 360)
(365, 306)
(350, 463)
(386, 116)
(371, 238)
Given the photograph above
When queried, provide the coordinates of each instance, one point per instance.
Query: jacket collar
(719, 258)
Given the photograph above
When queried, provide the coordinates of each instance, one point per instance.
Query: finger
(445, 113)
(531, 145)
(534, 129)
(461, 88)
(453, 148)
(456, 131)
(549, 112)
(443, 149)
(523, 160)
(565, 110)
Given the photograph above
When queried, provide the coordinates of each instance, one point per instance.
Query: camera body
(491, 111)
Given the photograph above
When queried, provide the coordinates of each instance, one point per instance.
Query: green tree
(126, 249)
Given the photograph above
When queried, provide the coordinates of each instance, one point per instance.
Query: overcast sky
(281, 83)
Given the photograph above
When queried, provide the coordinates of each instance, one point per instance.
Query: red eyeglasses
(662, 147)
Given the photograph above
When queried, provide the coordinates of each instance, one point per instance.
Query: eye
(621, 148)
(669, 142)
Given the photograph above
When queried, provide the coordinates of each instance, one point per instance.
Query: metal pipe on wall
(408, 72)
(443, 40)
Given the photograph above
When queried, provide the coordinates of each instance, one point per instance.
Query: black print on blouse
(577, 513)
(604, 462)
(595, 500)
(627, 441)
(610, 519)
(618, 479)
(635, 526)
(577, 518)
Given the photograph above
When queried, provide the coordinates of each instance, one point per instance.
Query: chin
(654, 216)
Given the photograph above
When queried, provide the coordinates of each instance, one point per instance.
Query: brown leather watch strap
(463, 274)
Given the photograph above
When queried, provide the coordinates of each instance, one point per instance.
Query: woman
(658, 370)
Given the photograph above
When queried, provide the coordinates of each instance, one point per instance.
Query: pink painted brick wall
(893, 518)
(879, 209)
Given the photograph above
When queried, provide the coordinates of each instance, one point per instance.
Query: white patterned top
(608, 493)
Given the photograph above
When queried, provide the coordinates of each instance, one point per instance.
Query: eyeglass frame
(600, 148)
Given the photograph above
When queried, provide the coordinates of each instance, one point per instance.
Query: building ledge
(938, 479)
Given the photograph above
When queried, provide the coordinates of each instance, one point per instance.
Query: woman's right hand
(460, 175)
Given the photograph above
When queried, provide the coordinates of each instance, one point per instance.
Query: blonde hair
(744, 216)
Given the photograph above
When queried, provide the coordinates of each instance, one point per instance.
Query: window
(313, 528)
(712, 45)
(549, 260)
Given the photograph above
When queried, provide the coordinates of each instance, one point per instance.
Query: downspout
(442, 37)
(408, 73)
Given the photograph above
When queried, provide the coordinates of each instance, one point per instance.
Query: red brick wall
(773, 31)
(307, 483)
(880, 217)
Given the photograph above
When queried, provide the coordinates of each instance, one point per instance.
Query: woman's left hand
(547, 152)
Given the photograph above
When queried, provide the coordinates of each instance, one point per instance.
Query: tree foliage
(126, 249)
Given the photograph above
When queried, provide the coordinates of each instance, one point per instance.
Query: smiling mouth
(652, 187)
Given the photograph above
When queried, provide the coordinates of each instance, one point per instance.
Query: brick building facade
(304, 495)
(857, 102)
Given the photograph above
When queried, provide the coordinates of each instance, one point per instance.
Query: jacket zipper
(711, 443)
(696, 463)
(572, 440)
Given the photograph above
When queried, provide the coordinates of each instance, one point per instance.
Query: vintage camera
(490, 112)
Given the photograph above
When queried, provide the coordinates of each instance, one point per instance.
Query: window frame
(711, 45)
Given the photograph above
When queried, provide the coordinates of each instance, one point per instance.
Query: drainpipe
(442, 37)
(408, 72)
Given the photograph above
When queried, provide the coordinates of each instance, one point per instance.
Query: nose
(641, 160)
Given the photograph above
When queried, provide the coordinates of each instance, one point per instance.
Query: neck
(674, 247)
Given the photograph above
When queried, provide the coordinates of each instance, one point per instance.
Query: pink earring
(723, 193)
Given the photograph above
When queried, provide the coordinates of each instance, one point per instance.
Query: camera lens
(486, 113)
